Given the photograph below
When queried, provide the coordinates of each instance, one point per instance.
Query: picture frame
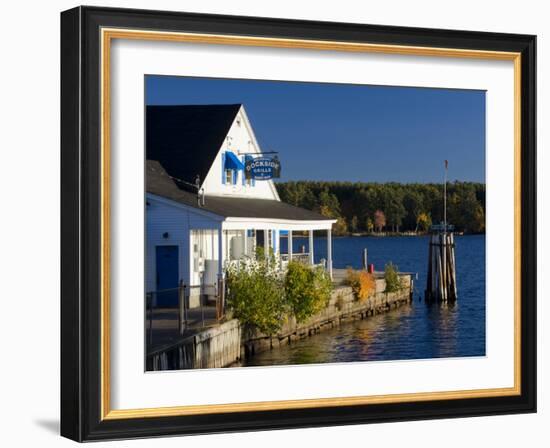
(86, 37)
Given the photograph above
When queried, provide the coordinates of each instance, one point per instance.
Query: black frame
(80, 224)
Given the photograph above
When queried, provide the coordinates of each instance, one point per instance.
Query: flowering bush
(255, 293)
(362, 283)
(262, 296)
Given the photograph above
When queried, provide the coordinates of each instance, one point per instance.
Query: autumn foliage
(363, 284)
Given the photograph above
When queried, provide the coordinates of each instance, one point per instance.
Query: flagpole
(444, 248)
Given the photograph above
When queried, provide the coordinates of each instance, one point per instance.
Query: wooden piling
(441, 276)
(429, 271)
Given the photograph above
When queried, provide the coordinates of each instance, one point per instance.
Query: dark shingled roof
(159, 183)
(186, 139)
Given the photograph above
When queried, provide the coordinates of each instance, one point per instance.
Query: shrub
(307, 290)
(255, 294)
(393, 282)
(362, 283)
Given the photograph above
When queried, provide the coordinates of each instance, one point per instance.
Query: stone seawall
(227, 343)
(342, 307)
(213, 347)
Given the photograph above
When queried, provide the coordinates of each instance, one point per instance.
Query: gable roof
(159, 183)
(185, 139)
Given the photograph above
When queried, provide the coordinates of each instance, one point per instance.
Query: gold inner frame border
(107, 35)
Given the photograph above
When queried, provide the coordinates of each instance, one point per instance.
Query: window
(229, 177)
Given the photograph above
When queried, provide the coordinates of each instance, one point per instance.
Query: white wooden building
(192, 234)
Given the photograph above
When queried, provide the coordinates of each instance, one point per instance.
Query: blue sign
(262, 168)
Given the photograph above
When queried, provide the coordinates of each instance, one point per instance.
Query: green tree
(379, 220)
(340, 227)
(391, 276)
(307, 290)
(478, 223)
(328, 201)
(255, 294)
(414, 205)
(423, 222)
(354, 224)
(401, 203)
(464, 210)
(394, 209)
(369, 225)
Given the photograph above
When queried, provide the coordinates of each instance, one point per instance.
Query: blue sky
(350, 132)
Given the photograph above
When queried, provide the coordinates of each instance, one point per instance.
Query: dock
(225, 343)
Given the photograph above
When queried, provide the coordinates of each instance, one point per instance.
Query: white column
(245, 243)
(311, 258)
(266, 243)
(220, 252)
(289, 245)
(329, 252)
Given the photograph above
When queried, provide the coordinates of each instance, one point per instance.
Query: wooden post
(444, 277)
(220, 251)
(289, 245)
(311, 258)
(449, 272)
(453, 265)
(266, 243)
(220, 268)
(434, 266)
(220, 299)
(439, 272)
(329, 252)
(452, 269)
(180, 307)
(441, 275)
(429, 289)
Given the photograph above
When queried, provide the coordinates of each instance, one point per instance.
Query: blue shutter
(253, 181)
(223, 168)
(244, 170)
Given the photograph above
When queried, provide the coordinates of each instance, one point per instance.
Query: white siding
(207, 245)
(163, 217)
(241, 140)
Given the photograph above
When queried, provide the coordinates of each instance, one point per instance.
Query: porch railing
(169, 314)
(302, 257)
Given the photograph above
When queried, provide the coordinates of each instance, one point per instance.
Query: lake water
(416, 331)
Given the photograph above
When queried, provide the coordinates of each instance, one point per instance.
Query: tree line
(363, 207)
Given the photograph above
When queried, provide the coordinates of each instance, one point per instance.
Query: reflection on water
(416, 331)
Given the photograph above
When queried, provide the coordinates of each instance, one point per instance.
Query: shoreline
(229, 344)
(382, 235)
(343, 308)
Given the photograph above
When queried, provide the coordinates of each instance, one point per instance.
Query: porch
(237, 240)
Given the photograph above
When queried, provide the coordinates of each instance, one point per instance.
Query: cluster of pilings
(441, 279)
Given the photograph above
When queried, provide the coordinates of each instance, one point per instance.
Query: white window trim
(229, 176)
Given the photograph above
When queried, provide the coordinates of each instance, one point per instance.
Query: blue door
(167, 276)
